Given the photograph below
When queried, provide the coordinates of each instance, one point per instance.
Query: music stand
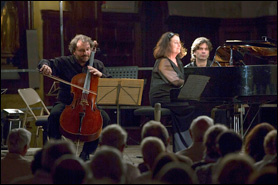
(3, 91)
(193, 87)
(120, 91)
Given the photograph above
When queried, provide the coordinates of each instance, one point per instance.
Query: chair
(124, 72)
(154, 113)
(31, 98)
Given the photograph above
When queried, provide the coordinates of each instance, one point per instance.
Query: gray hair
(107, 163)
(157, 129)
(196, 44)
(113, 135)
(83, 38)
(151, 147)
(210, 139)
(53, 150)
(18, 138)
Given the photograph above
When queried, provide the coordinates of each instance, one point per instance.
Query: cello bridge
(84, 102)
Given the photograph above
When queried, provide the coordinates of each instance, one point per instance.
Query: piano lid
(239, 52)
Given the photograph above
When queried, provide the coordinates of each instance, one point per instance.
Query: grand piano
(243, 76)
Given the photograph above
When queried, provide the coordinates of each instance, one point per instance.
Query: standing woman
(168, 73)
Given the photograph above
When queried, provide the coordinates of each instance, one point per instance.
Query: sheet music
(193, 87)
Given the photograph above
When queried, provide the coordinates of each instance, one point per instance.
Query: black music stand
(193, 87)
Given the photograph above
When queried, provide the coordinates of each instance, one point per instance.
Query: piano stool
(153, 113)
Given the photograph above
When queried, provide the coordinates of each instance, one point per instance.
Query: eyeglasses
(170, 35)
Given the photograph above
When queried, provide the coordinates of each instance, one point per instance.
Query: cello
(81, 120)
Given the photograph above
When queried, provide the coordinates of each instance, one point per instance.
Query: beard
(82, 60)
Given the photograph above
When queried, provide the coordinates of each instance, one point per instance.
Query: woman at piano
(168, 73)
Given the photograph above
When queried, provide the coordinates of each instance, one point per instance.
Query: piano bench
(153, 113)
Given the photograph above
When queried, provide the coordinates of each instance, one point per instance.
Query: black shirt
(193, 64)
(165, 76)
(66, 67)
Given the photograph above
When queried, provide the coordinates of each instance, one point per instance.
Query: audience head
(107, 165)
(37, 161)
(234, 169)
(113, 135)
(177, 173)
(184, 159)
(69, 169)
(53, 150)
(19, 141)
(199, 126)
(161, 160)
(156, 129)
(270, 143)
(210, 140)
(254, 141)
(229, 142)
(267, 175)
(151, 147)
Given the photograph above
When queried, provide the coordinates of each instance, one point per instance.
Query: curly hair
(83, 38)
(162, 47)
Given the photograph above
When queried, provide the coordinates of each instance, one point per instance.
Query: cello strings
(63, 81)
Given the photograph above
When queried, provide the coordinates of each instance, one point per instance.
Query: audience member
(197, 130)
(151, 147)
(266, 175)
(184, 159)
(36, 164)
(211, 154)
(155, 129)
(52, 151)
(234, 169)
(14, 164)
(161, 160)
(69, 169)
(227, 142)
(37, 161)
(115, 136)
(177, 173)
(107, 166)
(253, 144)
(270, 148)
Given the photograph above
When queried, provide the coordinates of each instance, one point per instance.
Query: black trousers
(54, 124)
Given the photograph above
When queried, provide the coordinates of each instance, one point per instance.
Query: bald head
(199, 126)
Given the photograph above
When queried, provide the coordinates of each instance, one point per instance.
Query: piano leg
(239, 111)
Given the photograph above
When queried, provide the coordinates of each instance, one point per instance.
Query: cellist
(66, 67)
